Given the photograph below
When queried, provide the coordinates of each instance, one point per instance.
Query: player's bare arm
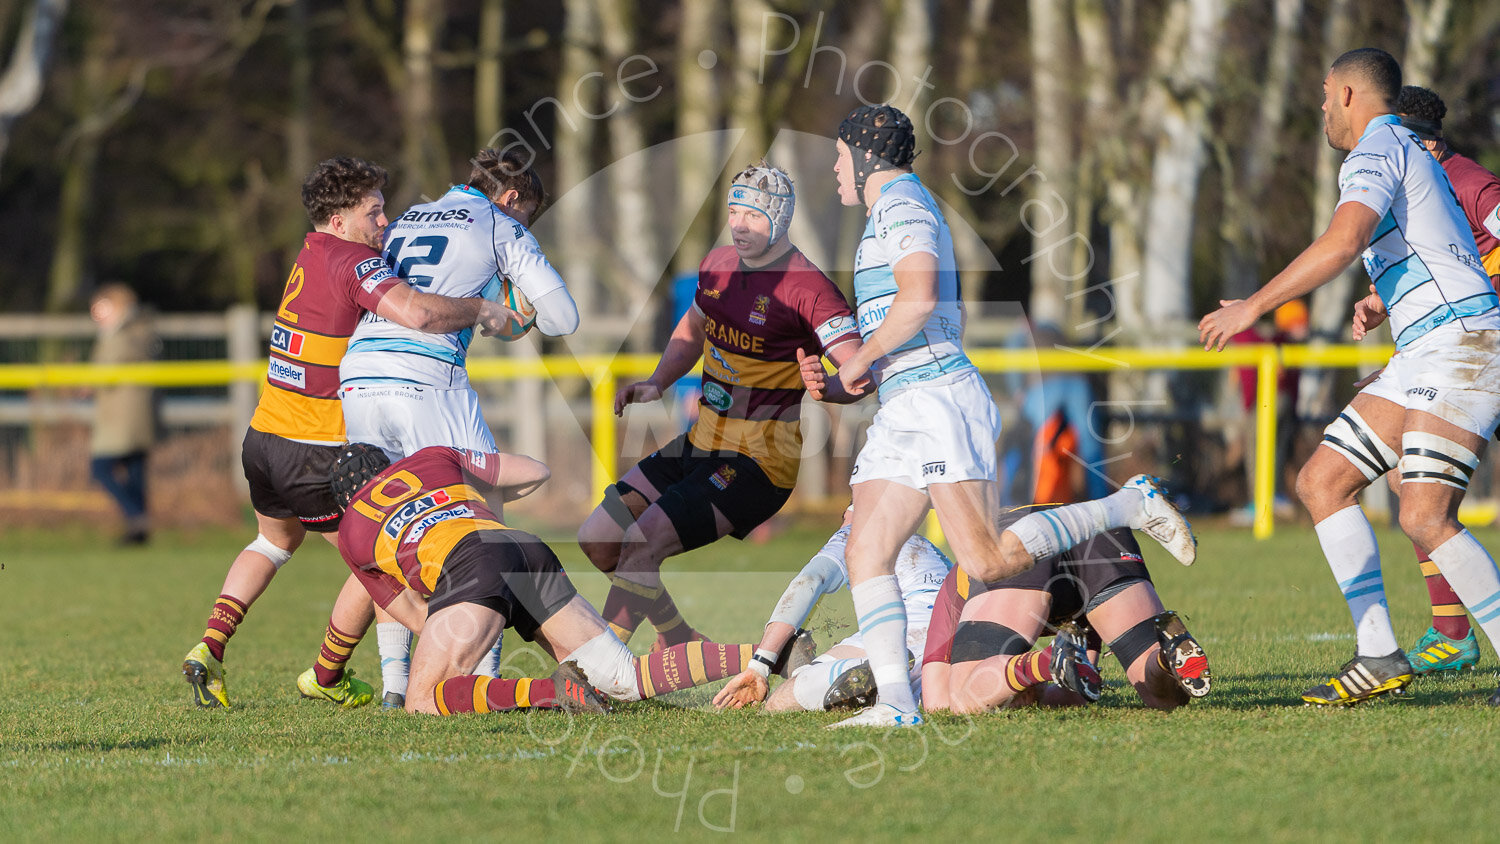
(916, 296)
(815, 377)
(520, 476)
(412, 308)
(1346, 237)
(682, 353)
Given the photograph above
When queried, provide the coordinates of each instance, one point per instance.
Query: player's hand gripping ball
(511, 297)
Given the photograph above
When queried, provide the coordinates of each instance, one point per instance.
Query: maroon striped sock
(223, 620)
(337, 647)
(687, 665)
(477, 693)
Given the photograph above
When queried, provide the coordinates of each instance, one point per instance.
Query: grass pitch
(98, 738)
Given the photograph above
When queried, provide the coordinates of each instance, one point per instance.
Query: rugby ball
(511, 297)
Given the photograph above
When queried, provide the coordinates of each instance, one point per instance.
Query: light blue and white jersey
(920, 570)
(458, 246)
(906, 220)
(1421, 257)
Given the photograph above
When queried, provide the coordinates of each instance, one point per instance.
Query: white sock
(813, 681)
(882, 625)
(1349, 544)
(1048, 532)
(395, 655)
(489, 665)
(1471, 572)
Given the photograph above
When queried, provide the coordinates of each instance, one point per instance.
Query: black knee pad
(978, 640)
(1129, 646)
(614, 505)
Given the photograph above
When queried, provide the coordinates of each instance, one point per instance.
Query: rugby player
(1449, 643)
(1430, 411)
(840, 676)
(422, 539)
(403, 389)
(760, 302)
(298, 425)
(979, 654)
(932, 443)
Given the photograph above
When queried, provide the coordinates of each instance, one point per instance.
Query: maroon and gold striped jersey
(755, 320)
(332, 284)
(401, 526)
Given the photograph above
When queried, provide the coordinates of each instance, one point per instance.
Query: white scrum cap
(768, 190)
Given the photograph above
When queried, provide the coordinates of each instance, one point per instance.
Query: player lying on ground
(420, 537)
(840, 676)
(759, 303)
(404, 390)
(979, 654)
(298, 425)
(843, 675)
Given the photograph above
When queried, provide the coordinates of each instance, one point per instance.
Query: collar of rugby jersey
(1377, 122)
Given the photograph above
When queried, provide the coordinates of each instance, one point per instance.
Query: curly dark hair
(339, 184)
(496, 171)
(1422, 104)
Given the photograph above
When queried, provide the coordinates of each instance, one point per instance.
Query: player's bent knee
(268, 549)
(783, 698)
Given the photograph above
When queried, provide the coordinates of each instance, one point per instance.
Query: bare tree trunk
(578, 234)
(1243, 220)
(1424, 38)
(1184, 98)
(699, 110)
(748, 110)
(640, 266)
(24, 77)
(1051, 43)
(489, 73)
(1329, 311)
(423, 157)
(299, 111)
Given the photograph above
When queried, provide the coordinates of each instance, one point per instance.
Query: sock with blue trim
(1048, 532)
(1349, 544)
(882, 626)
(394, 641)
(1471, 572)
(489, 664)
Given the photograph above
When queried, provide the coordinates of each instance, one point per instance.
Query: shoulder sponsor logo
(937, 467)
(376, 279)
(287, 373)
(717, 397)
(286, 340)
(370, 265)
(1129, 557)
(905, 242)
(408, 512)
(1367, 172)
(419, 529)
(723, 478)
(835, 328)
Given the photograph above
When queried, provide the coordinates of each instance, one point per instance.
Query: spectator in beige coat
(124, 414)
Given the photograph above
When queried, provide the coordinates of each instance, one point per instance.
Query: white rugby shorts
(1450, 373)
(403, 419)
(941, 432)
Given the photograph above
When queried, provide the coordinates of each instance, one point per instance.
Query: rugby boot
(880, 715)
(206, 675)
(393, 700)
(852, 689)
(1071, 668)
(1435, 652)
(1362, 678)
(574, 691)
(1160, 519)
(798, 652)
(1181, 655)
(348, 692)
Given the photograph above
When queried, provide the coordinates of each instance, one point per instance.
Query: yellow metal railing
(603, 372)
